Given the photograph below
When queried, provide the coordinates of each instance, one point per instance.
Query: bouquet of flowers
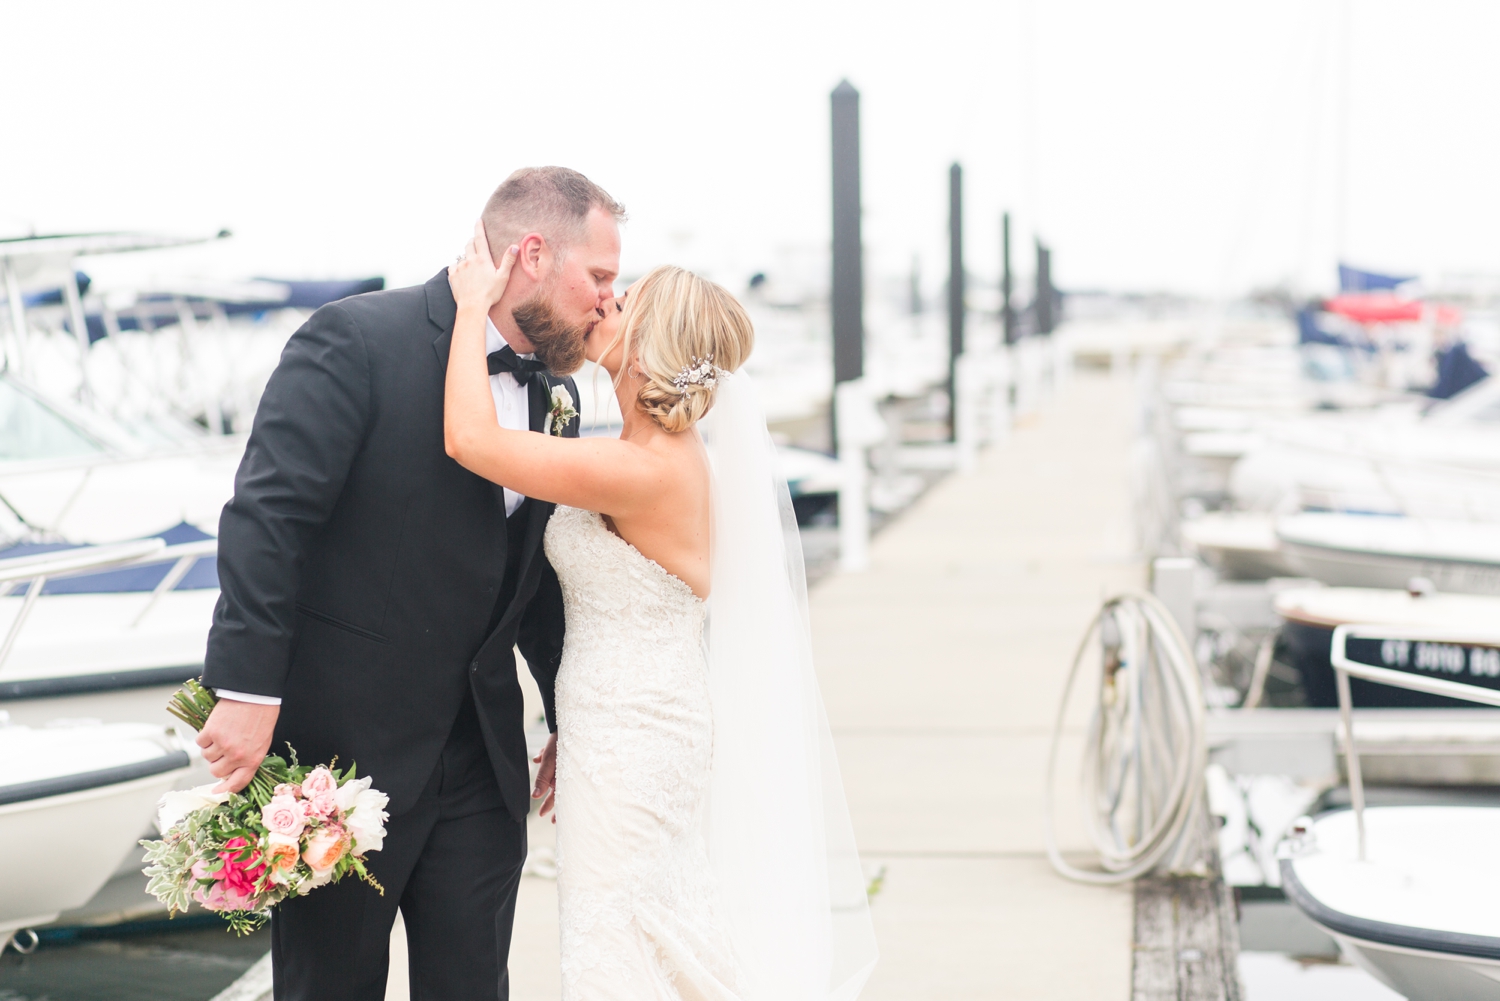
(294, 829)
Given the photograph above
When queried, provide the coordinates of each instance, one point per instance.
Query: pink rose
(288, 789)
(325, 804)
(318, 780)
(325, 848)
(283, 815)
(223, 897)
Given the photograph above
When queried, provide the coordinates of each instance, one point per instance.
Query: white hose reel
(1146, 747)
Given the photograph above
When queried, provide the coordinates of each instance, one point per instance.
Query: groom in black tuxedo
(373, 592)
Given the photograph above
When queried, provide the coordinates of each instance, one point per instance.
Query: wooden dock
(942, 666)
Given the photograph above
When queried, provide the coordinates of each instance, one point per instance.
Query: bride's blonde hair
(682, 333)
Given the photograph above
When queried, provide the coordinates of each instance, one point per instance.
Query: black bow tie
(506, 360)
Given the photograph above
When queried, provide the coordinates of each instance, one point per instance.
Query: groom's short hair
(552, 201)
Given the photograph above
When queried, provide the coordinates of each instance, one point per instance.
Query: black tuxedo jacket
(360, 565)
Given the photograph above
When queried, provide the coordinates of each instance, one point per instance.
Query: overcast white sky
(1155, 145)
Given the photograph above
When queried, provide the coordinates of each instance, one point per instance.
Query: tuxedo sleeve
(308, 429)
(540, 638)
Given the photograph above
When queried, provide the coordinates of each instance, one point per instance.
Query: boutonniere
(562, 411)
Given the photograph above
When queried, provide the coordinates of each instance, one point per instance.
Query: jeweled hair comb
(700, 372)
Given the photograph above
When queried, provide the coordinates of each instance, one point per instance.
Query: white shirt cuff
(258, 700)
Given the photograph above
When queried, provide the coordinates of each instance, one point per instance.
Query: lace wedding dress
(705, 851)
(636, 893)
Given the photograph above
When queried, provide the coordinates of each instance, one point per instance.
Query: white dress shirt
(512, 402)
(512, 408)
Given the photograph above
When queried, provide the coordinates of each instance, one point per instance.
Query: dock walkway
(941, 667)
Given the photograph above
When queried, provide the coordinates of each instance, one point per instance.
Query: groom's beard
(559, 344)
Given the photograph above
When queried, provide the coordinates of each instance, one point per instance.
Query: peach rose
(281, 852)
(325, 848)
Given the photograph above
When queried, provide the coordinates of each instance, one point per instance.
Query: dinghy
(1311, 615)
(74, 800)
(1385, 552)
(1408, 892)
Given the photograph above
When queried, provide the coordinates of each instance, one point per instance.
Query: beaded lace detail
(634, 751)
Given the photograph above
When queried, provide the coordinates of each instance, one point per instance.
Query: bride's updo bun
(682, 333)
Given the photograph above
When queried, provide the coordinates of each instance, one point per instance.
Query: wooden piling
(956, 304)
(1007, 311)
(847, 292)
(1045, 296)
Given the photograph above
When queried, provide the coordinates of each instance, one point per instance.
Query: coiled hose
(1146, 748)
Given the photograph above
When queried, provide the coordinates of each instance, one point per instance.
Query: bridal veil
(779, 836)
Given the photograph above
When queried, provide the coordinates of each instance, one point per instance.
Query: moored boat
(1418, 911)
(74, 799)
(1310, 616)
(1407, 891)
(1386, 552)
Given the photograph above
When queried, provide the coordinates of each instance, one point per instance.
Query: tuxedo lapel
(442, 311)
(538, 511)
(540, 390)
(534, 511)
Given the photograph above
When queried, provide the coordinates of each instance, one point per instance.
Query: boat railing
(39, 568)
(1444, 651)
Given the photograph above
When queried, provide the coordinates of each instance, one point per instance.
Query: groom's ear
(534, 251)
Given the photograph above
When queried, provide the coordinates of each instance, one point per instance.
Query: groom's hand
(235, 740)
(546, 776)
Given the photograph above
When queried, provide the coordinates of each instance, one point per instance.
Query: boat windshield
(29, 429)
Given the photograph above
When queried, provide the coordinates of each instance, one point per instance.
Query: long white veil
(779, 836)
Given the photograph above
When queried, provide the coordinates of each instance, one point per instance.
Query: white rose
(349, 792)
(177, 804)
(560, 412)
(367, 822)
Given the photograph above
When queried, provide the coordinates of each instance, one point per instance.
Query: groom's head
(568, 230)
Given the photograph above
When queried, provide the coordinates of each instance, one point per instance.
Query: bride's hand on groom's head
(474, 278)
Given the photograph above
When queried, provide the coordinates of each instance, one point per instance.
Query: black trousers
(452, 865)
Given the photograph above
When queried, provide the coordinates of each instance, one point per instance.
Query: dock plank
(942, 666)
(1185, 940)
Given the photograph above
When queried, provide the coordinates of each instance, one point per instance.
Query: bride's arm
(600, 474)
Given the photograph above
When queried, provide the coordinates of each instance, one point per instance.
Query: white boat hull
(1348, 568)
(1414, 907)
(70, 637)
(1424, 976)
(61, 849)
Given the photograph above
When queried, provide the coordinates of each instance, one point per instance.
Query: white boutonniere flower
(562, 411)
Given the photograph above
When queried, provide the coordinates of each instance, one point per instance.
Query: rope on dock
(1146, 749)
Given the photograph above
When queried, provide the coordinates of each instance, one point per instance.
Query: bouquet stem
(192, 704)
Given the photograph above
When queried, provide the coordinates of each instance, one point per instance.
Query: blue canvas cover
(1357, 280)
(203, 574)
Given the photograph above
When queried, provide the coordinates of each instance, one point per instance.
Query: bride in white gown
(704, 848)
